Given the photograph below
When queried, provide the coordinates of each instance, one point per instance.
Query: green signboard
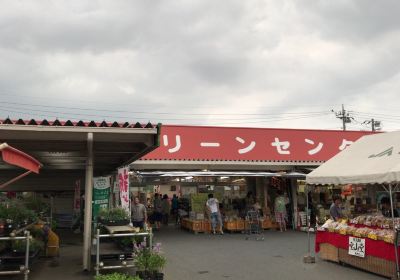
(101, 194)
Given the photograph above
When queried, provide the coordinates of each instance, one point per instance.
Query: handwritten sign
(357, 247)
(123, 180)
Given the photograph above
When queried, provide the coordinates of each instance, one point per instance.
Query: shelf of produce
(379, 255)
(369, 263)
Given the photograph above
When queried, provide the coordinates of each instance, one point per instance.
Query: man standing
(157, 214)
(139, 213)
(215, 214)
(335, 211)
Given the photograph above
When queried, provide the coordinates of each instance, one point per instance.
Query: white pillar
(87, 232)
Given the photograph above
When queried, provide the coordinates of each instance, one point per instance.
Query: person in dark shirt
(335, 211)
(386, 208)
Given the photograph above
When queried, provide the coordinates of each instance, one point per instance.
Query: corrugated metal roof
(69, 123)
(227, 160)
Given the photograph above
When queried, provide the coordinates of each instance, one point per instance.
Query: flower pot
(144, 275)
(158, 276)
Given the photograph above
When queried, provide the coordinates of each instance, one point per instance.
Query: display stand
(23, 269)
(118, 232)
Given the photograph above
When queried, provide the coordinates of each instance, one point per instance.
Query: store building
(236, 161)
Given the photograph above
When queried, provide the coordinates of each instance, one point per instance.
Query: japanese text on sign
(357, 247)
(123, 180)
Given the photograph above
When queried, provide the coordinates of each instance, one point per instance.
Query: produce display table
(121, 229)
(379, 255)
(240, 225)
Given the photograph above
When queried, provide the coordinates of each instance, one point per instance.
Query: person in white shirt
(215, 215)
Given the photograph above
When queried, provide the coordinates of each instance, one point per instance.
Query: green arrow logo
(387, 152)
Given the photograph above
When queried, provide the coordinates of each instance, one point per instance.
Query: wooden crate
(230, 226)
(197, 226)
(266, 224)
(369, 263)
(240, 225)
(329, 252)
(206, 226)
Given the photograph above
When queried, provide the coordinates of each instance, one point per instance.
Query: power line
(97, 102)
(202, 120)
(159, 113)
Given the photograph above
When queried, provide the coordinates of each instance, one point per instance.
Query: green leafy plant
(116, 276)
(149, 259)
(37, 205)
(17, 213)
(19, 246)
(114, 214)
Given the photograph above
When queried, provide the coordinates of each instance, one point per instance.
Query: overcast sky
(246, 63)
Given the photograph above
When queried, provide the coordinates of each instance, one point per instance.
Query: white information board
(357, 247)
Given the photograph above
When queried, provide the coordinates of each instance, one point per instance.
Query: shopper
(138, 213)
(174, 208)
(335, 210)
(249, 201)
(157, 212)
(257, 207)
(166, 209)
(215, 214)
(280, 210)
(387, 209)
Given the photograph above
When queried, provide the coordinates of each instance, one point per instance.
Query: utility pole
(344, 116)
(375, 125)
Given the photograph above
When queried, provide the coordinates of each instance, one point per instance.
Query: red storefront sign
(265, 144)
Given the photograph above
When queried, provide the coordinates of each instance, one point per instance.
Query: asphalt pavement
(205, 256)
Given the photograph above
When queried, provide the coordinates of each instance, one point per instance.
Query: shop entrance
(184, 196)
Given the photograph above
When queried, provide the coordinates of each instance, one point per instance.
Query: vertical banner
(117, 202)
(123, 180)
(101, 194)
(77, 196)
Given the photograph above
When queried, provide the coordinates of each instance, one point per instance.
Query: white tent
(373, 159)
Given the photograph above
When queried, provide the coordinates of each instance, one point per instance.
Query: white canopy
(372, 159)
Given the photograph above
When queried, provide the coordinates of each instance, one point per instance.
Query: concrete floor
(202, 256)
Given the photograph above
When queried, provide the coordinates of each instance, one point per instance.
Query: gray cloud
(270, 57)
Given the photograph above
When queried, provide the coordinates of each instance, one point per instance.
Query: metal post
(395, 232)
(98, 252)
(51, 210)
(26, 269)
(308, 258)
(87, 233)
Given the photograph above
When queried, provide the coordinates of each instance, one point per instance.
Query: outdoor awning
(218, 173)
(61, 146)
(16, 157)
(373, 159)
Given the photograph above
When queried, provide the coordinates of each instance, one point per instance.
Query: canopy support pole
(395, 232)
(87, 232)
(15, 179)
(308, 258)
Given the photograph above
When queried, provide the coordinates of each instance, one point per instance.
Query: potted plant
(113, 217)
(149, 262)
(19, 246)
(14, 215)
(116, 276)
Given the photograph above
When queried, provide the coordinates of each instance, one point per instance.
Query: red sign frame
(250, 144)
